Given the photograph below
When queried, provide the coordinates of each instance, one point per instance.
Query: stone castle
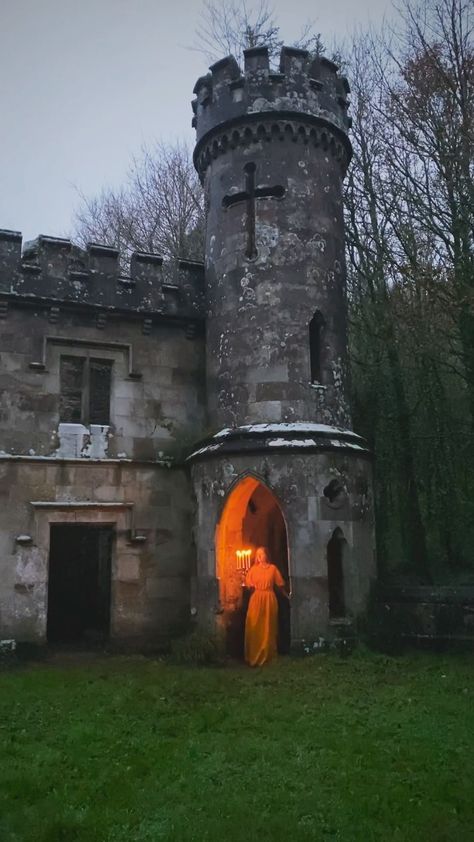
(156, 428)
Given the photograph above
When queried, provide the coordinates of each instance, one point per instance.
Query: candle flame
(243, 559)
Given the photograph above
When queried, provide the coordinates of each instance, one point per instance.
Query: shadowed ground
(364, 748)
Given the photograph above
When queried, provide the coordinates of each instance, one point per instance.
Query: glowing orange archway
(251, 517)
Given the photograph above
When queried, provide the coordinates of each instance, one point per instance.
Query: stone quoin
(158, 426)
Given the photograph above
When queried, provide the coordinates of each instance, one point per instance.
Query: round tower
(272, 151)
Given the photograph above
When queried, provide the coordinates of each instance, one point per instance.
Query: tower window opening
(316, 327)
(335, 563)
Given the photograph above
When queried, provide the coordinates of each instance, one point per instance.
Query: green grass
(128, 750)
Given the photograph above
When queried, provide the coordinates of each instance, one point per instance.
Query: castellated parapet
(306, 90)
(56, 270)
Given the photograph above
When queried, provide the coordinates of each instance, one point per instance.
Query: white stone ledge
(80, 504)
(283, 436)
(296, 427)
(58, 460)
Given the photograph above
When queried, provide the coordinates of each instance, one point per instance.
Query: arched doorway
(251, 518)
(336, 586)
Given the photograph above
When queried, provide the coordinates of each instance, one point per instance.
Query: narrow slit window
(72, 381)
(335, 563)
(316, 327)
(100, 376)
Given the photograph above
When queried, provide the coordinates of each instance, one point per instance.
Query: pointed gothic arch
(336, 579)
(251, 517)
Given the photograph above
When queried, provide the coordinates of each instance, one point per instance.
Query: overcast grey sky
(84, 83)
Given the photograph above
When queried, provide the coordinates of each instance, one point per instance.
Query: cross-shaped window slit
(248, 196)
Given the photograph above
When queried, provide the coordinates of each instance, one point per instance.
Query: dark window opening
(316, 327)
(335, 562)
(71, 385)
(79, 583)
(85, 384)
(334, 491)
(99, 391)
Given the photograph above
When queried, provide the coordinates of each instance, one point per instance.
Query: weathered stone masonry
(57, 299)
(272, 150)
(249, 350)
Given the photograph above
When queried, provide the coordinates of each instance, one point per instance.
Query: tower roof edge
(305, 84)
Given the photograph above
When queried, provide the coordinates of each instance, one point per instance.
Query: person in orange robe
(261, 624)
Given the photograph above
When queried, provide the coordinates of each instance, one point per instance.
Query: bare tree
(432, 109)
(378, 369)
(410, 224)
(160, 206)
(230, 27)
(159, 209)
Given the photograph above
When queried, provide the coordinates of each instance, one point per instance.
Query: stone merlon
(305, 88)
(55, 270)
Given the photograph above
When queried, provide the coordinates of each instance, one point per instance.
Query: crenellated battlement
(57, 270)
(306, 90)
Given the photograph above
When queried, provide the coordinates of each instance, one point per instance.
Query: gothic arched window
(316, 327)
(335, 562)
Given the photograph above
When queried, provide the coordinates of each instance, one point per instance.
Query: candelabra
(243, 558)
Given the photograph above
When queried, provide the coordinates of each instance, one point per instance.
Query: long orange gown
(261, 624)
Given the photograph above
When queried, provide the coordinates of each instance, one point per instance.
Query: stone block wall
(157, 401)
(54, 269)
(59, 300)
(423, 615)
(150, 510)
(298, 482)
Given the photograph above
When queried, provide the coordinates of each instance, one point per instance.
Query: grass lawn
(324, 748)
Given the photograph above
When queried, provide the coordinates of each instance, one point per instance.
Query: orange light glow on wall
(240, 530)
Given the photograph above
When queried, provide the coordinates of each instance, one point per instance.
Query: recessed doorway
(251, 518)
(79, 583)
